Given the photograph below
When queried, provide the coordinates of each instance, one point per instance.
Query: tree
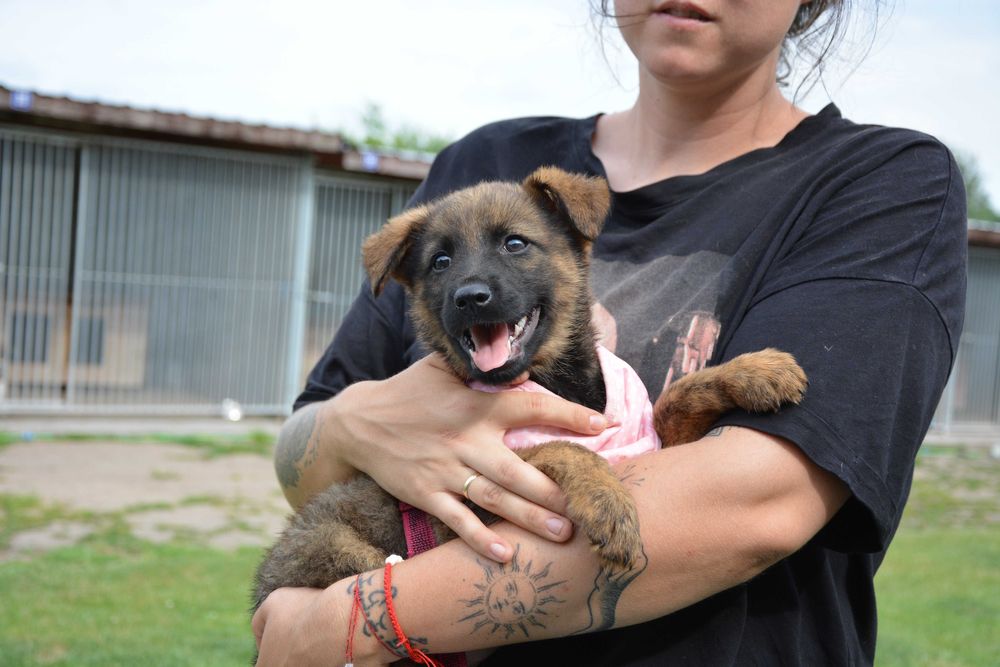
(977, 199)
(376, 130)
(377, 134)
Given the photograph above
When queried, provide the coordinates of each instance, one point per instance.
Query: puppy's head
(497, 273)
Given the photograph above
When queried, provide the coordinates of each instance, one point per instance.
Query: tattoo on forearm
(298, 442)
(609, 584)
(376, 616)
(513, 599)
(629, 476)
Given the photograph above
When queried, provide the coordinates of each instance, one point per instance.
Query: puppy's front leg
(597, 502)
(756, 382)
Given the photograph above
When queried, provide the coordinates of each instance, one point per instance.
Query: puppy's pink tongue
(492, 346)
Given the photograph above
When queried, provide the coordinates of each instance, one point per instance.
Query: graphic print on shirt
(660, 317)
(694, 348)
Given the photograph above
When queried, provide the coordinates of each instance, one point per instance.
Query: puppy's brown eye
(514, 244)
(440, 262)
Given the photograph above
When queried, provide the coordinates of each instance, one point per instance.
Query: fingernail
(499, 550)
(598, 423)
(555, 526)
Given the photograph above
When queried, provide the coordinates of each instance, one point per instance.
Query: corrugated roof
(330, 149)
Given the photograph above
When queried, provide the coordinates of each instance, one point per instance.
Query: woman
(739, 222)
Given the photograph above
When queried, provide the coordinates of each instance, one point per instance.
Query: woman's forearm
(306, 457)
(713, 514)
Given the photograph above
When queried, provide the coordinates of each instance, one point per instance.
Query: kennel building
(158, 263)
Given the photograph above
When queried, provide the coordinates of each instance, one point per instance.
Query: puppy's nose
(473, 294)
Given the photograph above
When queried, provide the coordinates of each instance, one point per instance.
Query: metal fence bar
(81, 236)
(304, 238)
(18, 191)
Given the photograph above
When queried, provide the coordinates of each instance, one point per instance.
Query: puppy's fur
(488, 264)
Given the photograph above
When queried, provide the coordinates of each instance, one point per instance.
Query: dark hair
(816, 31)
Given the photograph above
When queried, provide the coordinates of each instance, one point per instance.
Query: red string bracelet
(353, 625)
(416, 655)
(368, 623)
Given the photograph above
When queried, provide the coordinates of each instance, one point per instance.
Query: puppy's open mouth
(493, 345)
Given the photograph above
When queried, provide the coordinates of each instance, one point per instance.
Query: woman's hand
(309, 626)
(294, 623)
(422, 434)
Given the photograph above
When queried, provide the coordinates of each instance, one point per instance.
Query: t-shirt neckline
(674, 187)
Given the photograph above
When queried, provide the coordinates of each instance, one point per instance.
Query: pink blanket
(629, 411)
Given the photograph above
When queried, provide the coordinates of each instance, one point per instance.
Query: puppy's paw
(597, 503)
(764, 381)
(610, 521)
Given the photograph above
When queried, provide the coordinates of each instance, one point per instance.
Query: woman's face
(692, 41)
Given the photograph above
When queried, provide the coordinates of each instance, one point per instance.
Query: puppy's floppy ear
(582, 200)
(383, 252)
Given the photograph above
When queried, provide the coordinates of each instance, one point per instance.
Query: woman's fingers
(469, 528)
(522, 408)
(496, 499)
(505, 469)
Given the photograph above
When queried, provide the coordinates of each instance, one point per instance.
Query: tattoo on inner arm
(377, 623)
(630, 476)
(298, 442)
(513, 599)
(609, 584)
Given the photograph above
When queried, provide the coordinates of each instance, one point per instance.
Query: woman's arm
(713, 514)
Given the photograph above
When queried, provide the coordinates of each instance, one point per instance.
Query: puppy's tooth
(519, 327)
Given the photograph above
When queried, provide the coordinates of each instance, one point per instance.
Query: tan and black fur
(488, 279)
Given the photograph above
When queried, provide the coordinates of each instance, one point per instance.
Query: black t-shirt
(845, 245)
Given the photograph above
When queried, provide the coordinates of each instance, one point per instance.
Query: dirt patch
(163, 492)
(52, 536)
(954, 486)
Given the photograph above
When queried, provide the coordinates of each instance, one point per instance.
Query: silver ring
(468, 482)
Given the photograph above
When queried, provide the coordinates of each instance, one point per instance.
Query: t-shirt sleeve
(870, 300)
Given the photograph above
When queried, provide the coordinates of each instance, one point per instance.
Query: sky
(447, 67)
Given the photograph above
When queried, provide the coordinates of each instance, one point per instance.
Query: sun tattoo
(512, 599)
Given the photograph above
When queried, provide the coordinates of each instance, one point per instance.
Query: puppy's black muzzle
(472, 296)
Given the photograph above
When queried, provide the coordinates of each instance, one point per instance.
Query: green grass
(113, 600)
(939, 598)
(116, 600)
(938, 590)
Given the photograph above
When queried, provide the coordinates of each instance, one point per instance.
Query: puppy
(497, 276)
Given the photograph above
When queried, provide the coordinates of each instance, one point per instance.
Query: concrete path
(160, 490)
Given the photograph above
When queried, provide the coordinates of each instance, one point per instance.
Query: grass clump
(255, 442)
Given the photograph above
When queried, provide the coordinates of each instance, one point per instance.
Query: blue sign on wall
(21, 100)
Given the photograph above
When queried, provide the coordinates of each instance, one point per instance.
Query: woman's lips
(683, 15)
